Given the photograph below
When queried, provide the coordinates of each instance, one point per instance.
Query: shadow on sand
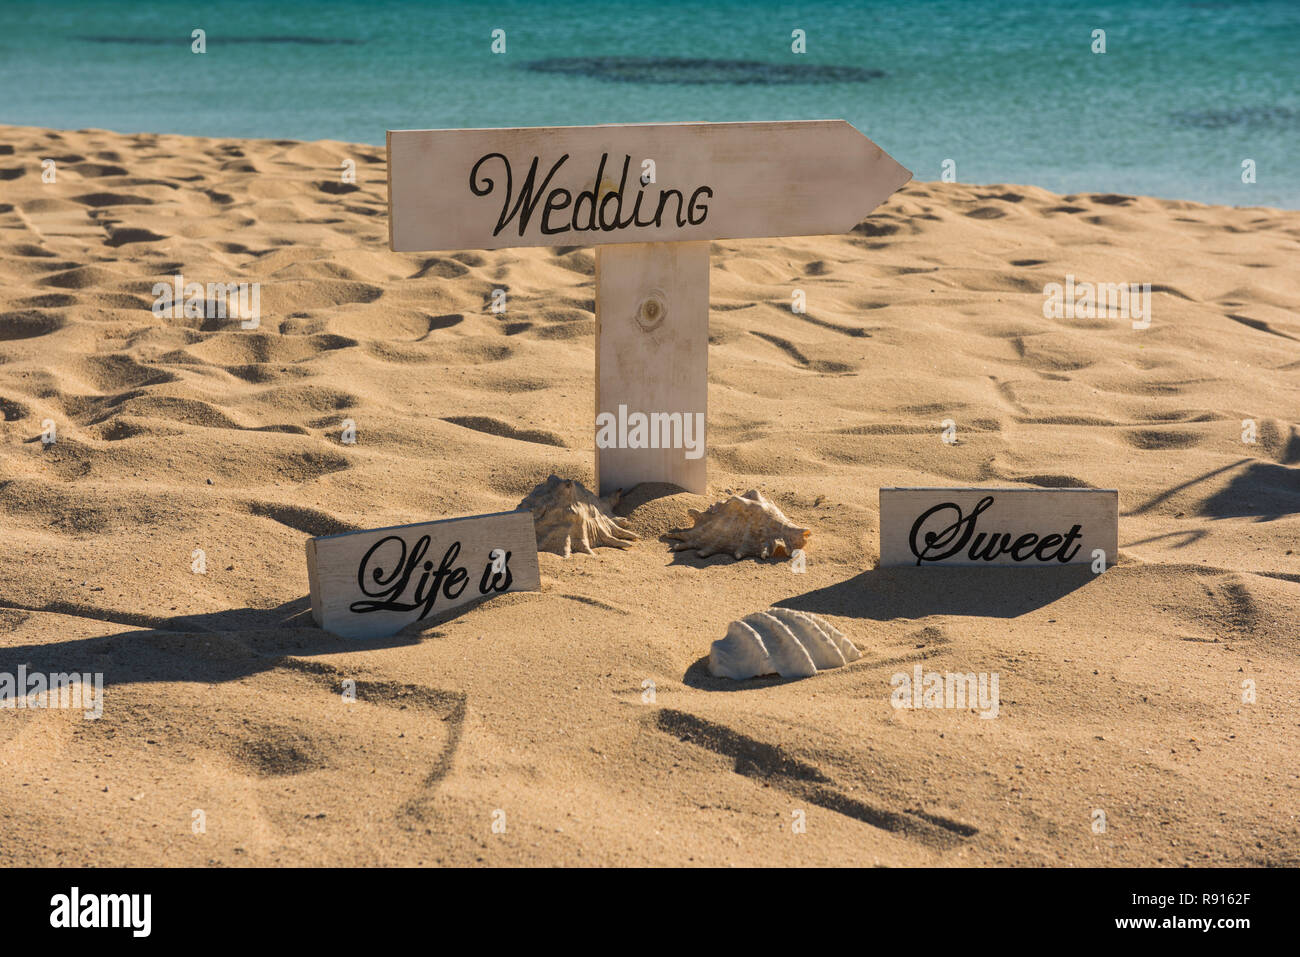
(211, 648)
(882, 594)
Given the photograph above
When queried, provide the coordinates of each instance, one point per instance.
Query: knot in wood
(652, 311)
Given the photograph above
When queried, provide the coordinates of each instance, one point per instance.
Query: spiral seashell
(743, 526)
(568, 516)
(792, 644)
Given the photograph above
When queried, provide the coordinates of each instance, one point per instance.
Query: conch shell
(743, 526)
(566, 515)
(792, 644)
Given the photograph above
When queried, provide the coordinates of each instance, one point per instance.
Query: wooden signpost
(1025, 527)
(662, 191)
(373, 583)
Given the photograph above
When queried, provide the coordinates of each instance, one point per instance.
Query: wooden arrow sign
(590, 185)
(662, 191)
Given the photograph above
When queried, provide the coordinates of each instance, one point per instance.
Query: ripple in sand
(27, 324)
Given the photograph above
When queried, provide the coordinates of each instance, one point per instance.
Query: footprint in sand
(775, 766)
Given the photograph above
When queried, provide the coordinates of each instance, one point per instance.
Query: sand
(1121, 692)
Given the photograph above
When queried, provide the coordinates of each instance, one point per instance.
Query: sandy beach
(580, 720)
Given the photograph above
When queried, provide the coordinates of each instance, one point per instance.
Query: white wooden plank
(652, 361)
(374, 583)
(998, 526)
(462, 189)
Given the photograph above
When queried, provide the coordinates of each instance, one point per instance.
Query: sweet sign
(374, 583)
(649, 197)
(588, 185)
(998, 526)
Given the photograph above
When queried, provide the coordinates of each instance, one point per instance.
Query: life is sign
(373, 583)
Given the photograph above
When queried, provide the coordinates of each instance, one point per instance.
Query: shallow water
(1007, 91)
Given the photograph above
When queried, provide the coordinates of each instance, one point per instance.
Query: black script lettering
(1074, 533)
(396, 582)
(617, 197)
(986, 546)
(1045, 543)
(527, 201)
(484, 586)
(986, 553)
(591, 195)
(663, 201)
(589, 210)
(704, 210)
(1025, 543)
(954, 537)
(636, 210)
(458, 577)
(391, 588)
(551, 206)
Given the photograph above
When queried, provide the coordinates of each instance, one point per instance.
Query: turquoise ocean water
(1010, 91)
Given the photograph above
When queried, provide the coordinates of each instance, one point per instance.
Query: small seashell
(568, 516)
(792, 644)
(743, 526)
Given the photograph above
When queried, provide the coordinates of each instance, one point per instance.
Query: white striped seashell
(792, 644)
